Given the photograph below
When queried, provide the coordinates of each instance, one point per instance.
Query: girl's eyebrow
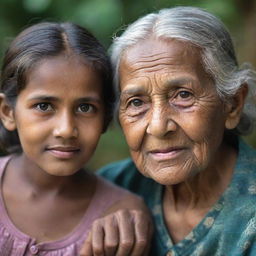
(89, 99)
(53, 98)
(43, 98)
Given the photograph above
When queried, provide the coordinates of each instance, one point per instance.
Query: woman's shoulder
(246, 157)
(125, 174)
(117, 168)
(121, 172)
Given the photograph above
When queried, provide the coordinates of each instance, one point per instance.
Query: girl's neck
(45, 200)
(42, 182)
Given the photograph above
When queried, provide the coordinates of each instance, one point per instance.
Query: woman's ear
(235, 107)
(7, 114)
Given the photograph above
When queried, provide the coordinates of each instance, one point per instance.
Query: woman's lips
(63, 152)
(166, 154)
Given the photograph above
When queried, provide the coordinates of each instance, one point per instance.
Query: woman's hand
(124, 232)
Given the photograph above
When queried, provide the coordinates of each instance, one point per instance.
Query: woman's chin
(169, 175)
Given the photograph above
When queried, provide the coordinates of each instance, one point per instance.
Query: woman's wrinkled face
(170, 112)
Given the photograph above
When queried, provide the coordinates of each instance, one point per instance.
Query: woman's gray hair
(205, 31)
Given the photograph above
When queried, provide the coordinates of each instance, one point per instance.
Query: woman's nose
(65, 126)
(161, 122)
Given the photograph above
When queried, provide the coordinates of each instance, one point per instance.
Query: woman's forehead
(162, 61)
(154, 49)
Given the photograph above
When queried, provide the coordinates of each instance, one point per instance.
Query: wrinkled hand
(124, 232)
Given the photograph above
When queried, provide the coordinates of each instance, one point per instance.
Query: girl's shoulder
(118, 197)
(4, 161)
(109, 192)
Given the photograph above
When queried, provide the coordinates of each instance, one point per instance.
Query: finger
(126, 233)
(98, 238)
(150, 235)
(142, 233)
(111, 236)
(87, 247)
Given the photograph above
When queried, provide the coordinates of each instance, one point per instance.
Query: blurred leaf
(36, 5)
(100, 16)
(112, 147)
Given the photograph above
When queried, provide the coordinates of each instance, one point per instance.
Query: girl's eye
(136, 103)
(44, 106)
(85, 108)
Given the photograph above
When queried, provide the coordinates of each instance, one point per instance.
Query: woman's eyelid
(141, 97)
(132, 102)
(189, 93)
(181, 102)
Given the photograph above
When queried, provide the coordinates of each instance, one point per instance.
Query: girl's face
(59, 115)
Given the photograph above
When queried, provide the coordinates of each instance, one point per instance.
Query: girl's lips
(166, 154)
(63, 152)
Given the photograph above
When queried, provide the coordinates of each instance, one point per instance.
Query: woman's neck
(186, 204)
(207, 186)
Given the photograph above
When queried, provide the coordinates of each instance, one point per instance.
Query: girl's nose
(65, 126)
(160, 122)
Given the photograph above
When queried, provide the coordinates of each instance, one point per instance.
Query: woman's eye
(85, 108)
(136, 103)
(184, 94)
(183, 98)
(44, 107)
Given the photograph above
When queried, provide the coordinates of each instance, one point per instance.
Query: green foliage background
(105, 18)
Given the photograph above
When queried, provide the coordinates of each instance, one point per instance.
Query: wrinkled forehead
(161, 58)
(152, 50)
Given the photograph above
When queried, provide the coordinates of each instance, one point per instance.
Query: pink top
(14, 242)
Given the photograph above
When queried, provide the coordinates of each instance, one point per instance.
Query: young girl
(56, 100)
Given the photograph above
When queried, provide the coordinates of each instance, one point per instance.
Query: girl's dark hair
(45, 40)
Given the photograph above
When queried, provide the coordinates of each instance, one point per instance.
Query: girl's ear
(235, 107)
(7, 114)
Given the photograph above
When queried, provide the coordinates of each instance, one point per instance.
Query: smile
(63, 152)
(166, 154)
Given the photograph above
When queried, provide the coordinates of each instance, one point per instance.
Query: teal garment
(229, 228)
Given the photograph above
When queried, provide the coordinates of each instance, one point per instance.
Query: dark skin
(61, 207)
(174, 121)
(45, 189)
(49, 117)
(184, 210)
(113, 234)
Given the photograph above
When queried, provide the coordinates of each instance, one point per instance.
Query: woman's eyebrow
(133, 90)
(169, 83)
(179, 81)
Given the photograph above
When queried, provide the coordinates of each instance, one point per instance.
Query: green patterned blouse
(229, 228)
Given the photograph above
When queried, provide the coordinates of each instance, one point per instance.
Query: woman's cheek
(134, 131)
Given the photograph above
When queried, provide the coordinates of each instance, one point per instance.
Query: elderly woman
(182, 109)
